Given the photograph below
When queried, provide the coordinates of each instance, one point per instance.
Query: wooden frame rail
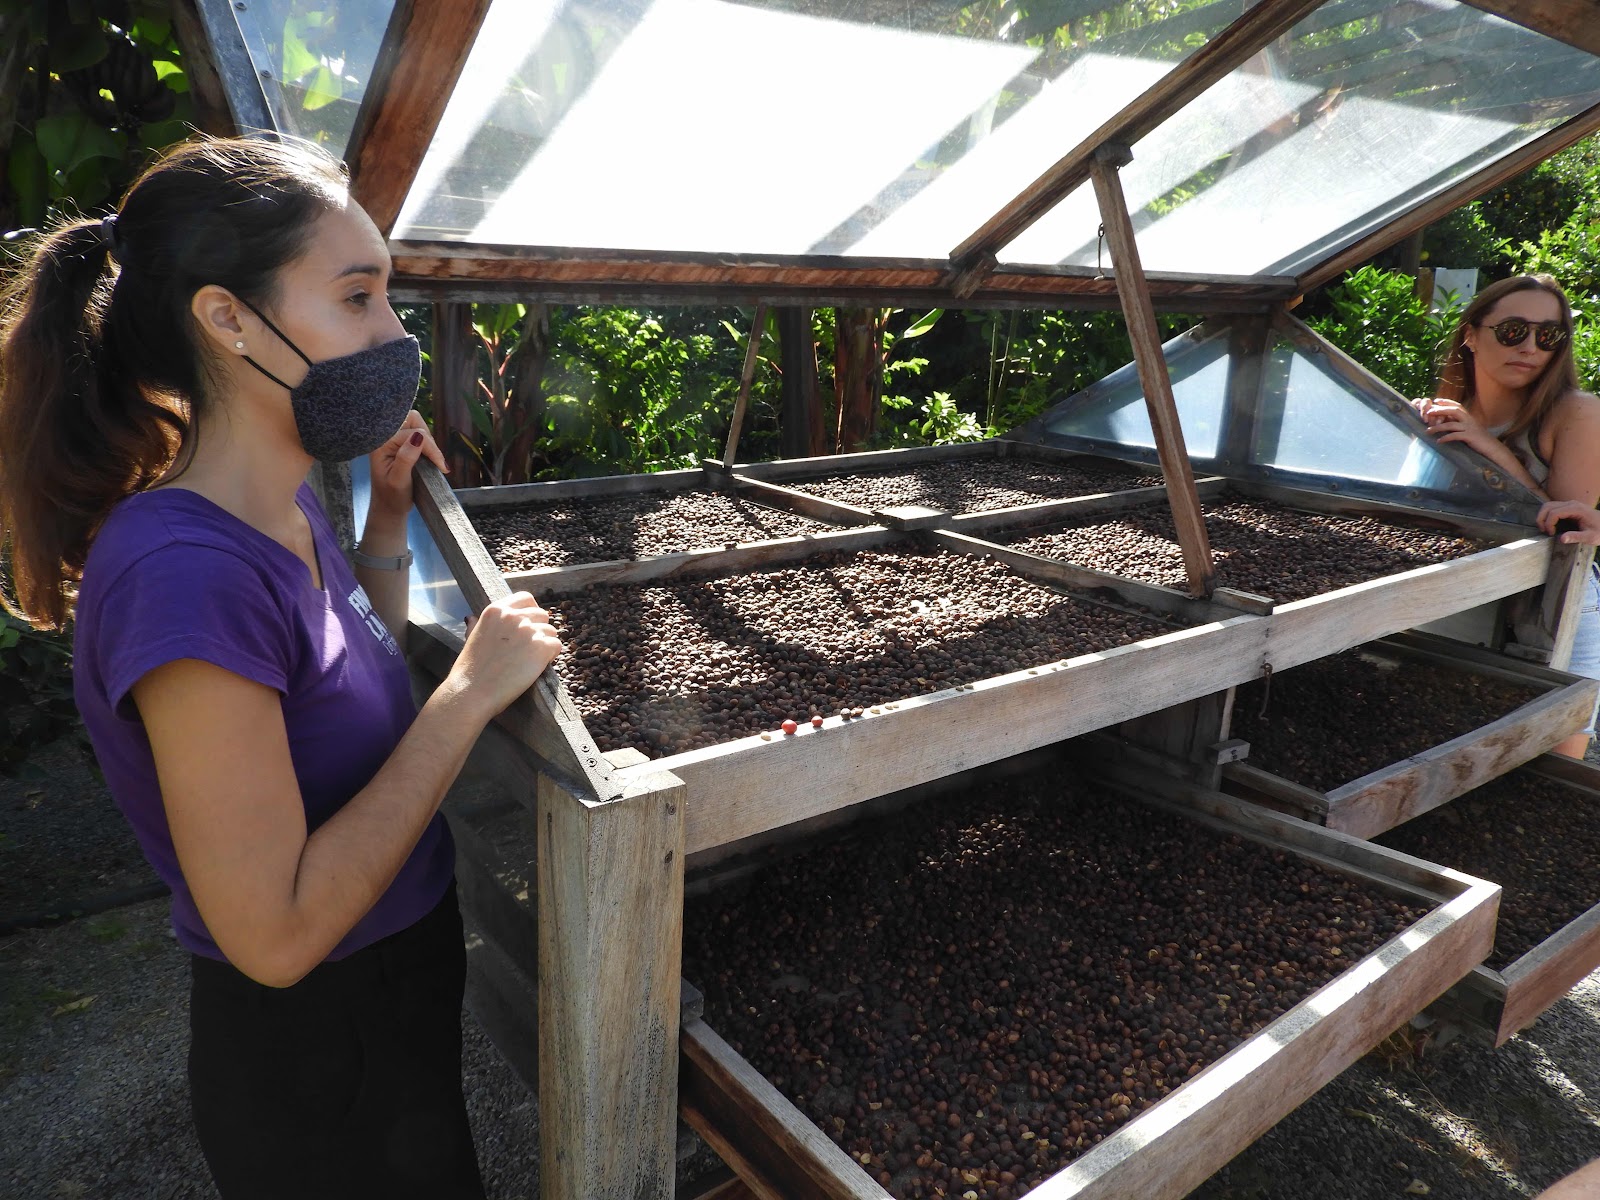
(973, 261)
(440, 271)
(1426, 212)
(424, 49)
(1389, 795)
(1571, 21)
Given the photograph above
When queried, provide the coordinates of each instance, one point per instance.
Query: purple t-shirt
(173, 576)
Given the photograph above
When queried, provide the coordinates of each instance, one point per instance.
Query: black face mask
(348, 406)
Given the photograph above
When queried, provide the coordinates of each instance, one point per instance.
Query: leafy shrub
(36, 705)
(1379, 320)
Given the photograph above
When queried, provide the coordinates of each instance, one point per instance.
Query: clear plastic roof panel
(1362, 110)
(313, 58)
(838, 127)
(1313, 425)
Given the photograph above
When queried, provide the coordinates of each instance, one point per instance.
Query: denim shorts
(1586, 644)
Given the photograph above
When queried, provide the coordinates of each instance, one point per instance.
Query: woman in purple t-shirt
(168, 376)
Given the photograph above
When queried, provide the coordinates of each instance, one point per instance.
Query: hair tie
(107, 233)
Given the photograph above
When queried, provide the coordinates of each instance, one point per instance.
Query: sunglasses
(1547, 335)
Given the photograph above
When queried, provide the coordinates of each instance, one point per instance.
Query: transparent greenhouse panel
(1359, 112)
(434, 594)
(701, 125)
(1314, 421)
(1305, 421)
(314, 58)
(1113, 411)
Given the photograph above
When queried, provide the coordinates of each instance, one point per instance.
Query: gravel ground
(62, 840)
(92, 1096)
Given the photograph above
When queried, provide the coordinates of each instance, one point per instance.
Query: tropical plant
(89, 90)
(36, 704)
(1379, 320)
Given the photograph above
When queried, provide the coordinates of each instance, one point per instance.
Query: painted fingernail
(416, 438)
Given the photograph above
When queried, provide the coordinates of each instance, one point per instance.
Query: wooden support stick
(559, 736)
(768, 1142)
(747, 377)
(610, 886)
(1142, 329)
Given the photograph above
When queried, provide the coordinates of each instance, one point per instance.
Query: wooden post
(610, 917)
(1544, 622)
(331, 483)
(1142, 330)
(610, 951)
(747, 378)
(1192, 735)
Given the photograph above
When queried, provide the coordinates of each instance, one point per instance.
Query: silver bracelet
(382, 562)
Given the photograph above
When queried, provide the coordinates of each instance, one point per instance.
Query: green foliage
(629, 390)
(91, 89)
(1380, 321)
(36, 705)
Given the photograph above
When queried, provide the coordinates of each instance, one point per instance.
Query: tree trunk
(857, 377)
(453, 373)
(803, 435)
(525, 387)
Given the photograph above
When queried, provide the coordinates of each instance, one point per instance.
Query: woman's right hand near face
(508, 647)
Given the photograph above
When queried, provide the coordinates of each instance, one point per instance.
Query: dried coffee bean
(973, 485)
(1334, 720)
(671, 667)
(1258, 547)
(994, 983)
(601, 528)
(1536, 838)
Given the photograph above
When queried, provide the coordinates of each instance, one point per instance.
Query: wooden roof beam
(975, 259)
(1571, 21)
(1427, 212)
(458, 271)
(424, 49)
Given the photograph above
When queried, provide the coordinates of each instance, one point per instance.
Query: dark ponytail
(102, 374)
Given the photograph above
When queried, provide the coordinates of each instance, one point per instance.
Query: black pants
(347, 1084)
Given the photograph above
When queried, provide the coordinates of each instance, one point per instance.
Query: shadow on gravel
(62, 839)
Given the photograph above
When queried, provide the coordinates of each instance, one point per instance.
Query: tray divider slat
(770, 1144)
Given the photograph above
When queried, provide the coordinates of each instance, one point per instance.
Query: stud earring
(238, 345)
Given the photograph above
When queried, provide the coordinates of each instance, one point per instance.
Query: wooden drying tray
(745, 787)
(1312, 628)
(768, 482)
(1391, 795)
(1503, 1002)
(1176, 1144)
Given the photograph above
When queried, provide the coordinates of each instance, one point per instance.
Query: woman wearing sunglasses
(1508, 388)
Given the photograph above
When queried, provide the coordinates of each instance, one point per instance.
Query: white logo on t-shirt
(364, 609)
